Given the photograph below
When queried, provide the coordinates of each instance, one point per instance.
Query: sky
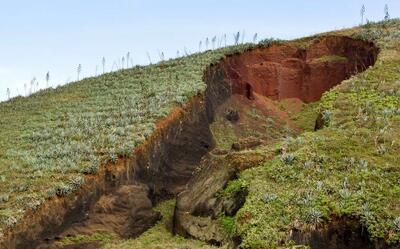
(56, 36)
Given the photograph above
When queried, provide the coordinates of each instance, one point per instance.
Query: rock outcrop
(202, 203)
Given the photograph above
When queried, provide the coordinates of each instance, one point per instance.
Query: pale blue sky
(56, 35)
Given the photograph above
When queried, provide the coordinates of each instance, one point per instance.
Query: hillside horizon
(259, 145)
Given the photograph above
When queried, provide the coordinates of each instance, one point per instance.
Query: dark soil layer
(164, 164)
(344, 233)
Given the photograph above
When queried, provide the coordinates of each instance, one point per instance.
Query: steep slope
(63, 149)
(335, 188)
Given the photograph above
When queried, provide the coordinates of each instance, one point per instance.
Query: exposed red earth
(286, 71)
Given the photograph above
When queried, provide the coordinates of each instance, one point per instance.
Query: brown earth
(285, 71)
(339, 233)
(127, 212)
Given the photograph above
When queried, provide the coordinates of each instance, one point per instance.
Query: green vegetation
(348, 169)
(97, 237)
(330, 58)
(306, 118)
(227, 223)
(234, 187)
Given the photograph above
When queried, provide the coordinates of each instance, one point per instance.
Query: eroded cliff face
(276, 72)
(285, 71)
(163, 165)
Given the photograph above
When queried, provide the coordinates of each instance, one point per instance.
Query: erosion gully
(119, 199)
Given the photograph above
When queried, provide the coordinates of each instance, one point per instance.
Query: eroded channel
(120, 199)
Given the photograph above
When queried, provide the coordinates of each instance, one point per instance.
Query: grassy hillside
(51, 140)
(350, 168)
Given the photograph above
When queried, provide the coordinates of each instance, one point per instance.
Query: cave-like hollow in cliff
(286, 71)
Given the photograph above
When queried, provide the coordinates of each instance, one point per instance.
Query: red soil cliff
(286, 71)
